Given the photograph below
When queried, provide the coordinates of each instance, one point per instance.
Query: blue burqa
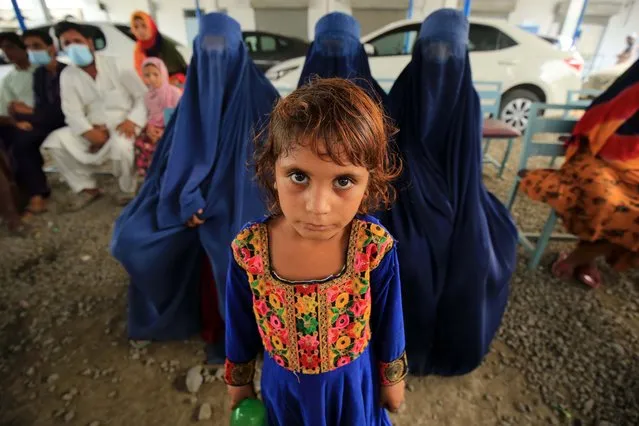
(337, 52)
(456, 241)
(200, 163)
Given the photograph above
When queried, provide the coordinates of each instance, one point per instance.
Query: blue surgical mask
(79, 54)
(39, 57)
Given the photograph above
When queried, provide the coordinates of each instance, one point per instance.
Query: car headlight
(275, 75)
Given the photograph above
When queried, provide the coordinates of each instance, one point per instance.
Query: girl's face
(140, 30)
(152, 77)
(318, 197)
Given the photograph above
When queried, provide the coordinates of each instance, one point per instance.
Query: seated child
(316, 284)
(161, 95)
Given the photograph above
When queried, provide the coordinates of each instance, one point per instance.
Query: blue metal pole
(579, 22)
(198, 11)
(467, 8)
(407, 37)
(19, 17)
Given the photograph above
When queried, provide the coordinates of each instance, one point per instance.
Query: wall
(614, 39)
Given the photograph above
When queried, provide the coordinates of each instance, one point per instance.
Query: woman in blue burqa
(337, 52)
(457, 242)
(198, 192)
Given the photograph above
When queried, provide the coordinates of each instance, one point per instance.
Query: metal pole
(19, 17)
(198, 11)
(46, 11)
(467, 8)
(409, 15)
(579, 21)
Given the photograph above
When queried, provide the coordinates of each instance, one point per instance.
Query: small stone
(618, 349)
(86, 372)
(205, 412)
(67, 397)
(52, 388)
(410, 387)
(174, 363)
(53, 378)
(95, 423)
(30, 372)
(135, 356)
(520, 407)
(194, 379)
(588, 406)
(112, 394)
(33, 396)
(191, 400)
(69, 416)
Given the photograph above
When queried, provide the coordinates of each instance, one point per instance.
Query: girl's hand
(240, 393)
(196, 220)
(392, 397)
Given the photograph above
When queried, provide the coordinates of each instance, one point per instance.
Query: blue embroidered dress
(329, 344)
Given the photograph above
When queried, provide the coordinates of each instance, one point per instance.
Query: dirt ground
(65, 359)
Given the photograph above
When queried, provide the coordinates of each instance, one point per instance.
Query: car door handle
(508, 62)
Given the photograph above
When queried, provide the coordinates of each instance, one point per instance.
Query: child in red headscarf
(151, 44)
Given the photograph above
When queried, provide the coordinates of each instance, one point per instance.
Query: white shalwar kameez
(113, 97)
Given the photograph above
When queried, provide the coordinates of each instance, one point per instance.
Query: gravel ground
(565, 354)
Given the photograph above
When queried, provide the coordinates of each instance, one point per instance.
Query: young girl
(161, 95)
(316, 284)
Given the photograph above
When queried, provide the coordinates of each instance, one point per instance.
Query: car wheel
(515, 107)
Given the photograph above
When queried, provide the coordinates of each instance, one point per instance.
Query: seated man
(46, 117)
(16, 93)
(104, 111)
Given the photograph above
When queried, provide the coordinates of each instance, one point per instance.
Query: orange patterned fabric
(594, 200)
(313, 328)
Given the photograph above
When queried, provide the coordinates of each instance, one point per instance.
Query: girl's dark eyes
(298, 178)
(342, 182)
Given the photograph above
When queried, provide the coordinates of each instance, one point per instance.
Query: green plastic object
(250, 412)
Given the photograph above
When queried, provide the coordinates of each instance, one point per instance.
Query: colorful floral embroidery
(313, 328)
(239, 374)
(395, 371)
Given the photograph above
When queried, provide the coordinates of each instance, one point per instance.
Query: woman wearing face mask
(104, 111)
(151, 44)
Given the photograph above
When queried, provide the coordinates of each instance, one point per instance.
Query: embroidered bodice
(313, 327)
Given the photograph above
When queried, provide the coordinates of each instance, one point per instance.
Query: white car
(601, 80)
(110, 39)
(528, 67)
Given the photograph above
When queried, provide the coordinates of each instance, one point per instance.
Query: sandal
(588, 275)
(82, 200)
(560, 269)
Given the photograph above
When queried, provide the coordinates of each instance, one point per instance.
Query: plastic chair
(531, 148)
(490, 96)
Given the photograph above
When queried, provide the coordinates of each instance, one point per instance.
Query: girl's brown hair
(337, 120)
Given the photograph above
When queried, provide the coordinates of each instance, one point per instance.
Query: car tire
(515, 107)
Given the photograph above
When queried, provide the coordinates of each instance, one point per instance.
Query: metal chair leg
(504, 161)
(542, 242)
